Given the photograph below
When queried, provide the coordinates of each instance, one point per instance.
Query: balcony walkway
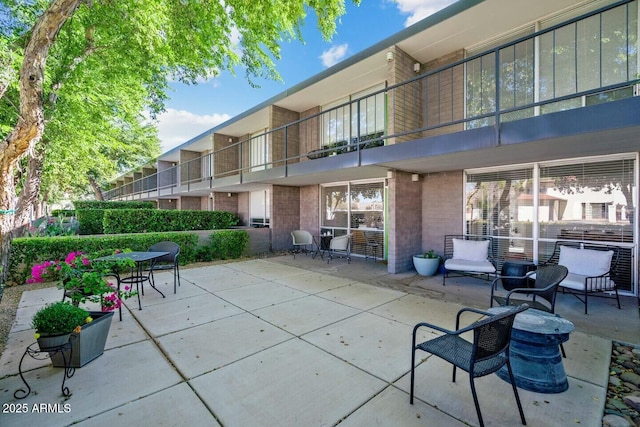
(284, 342)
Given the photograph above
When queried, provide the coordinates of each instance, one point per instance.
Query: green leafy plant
(59, 318)
(85, 280)
(431, 254)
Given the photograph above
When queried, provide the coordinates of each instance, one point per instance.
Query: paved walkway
(284, 342)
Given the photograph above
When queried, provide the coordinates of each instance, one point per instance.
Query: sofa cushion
(585, 262)
(454, 264)
(578, 282)
(471, 250)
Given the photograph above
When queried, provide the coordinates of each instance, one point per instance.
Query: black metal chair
(488, 352)
(165, 262)
(545, 287)
(545, 282)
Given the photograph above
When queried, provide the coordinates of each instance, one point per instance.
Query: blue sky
(195, 109)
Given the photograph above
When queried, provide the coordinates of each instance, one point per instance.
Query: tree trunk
(30, 125)
(97, 192)
(31, 189)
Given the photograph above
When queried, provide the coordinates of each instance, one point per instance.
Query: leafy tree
(151, 40)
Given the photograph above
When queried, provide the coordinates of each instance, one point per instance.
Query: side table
(33, 351)
(535, 351)
(517, 268)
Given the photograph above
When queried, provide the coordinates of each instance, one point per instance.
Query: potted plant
(84, 280)
(55, 323)
(426, 264)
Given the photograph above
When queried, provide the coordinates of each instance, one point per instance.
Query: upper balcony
(569, 80)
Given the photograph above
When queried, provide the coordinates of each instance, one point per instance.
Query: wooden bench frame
(596, 286)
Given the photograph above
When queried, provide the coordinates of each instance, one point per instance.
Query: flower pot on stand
(426, 266)
(48, 342)
(89, 343)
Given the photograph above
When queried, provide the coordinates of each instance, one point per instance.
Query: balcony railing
(590, 59)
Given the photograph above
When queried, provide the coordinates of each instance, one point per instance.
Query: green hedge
(90, 213)
(27, 251)
(99, 204)
(90, 221)
(224, 244)
(65, 213)
(158, 220)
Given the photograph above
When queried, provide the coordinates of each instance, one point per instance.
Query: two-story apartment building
(511, 118)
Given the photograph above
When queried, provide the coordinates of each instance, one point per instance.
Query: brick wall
(444, 94)
(225, 161)
(190, 166)
(222, 202)
(404, 103)
(310, 209)
(442, 208)
(285, 215)
(291, 135)
(404, 222)
(310, 131)
(190, 203)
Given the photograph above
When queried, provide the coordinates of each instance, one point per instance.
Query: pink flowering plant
(86, 280)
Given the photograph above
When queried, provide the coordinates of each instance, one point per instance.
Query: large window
(593, 53)
(355, 206)
(584, 200)
(259, 208)
(343, 120)
(259, 151)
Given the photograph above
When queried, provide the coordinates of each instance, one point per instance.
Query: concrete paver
(300, 343)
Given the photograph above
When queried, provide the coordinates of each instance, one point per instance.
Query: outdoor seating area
(335, 336)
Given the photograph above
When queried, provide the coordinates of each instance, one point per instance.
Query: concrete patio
(299, 342)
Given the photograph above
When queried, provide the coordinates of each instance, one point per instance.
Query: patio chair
(165, 262)
(545, 285)
(340, 245)
(302, 241)
(468, 255)
(488, 352)
(359, 238)
(545, 288)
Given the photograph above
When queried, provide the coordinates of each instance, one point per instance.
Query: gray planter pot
(50, 342)
(426, 266)
(89, 343)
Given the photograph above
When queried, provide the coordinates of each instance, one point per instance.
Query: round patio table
(534, 353)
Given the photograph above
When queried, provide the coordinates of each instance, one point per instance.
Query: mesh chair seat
(458, 351)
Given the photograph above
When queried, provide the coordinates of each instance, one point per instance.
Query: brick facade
(404, 222)
(285, 215)
(442, 208)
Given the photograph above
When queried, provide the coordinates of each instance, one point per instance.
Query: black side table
(33, 350)
(518, 268)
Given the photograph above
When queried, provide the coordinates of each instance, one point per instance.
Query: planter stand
(64, 351)
(89, 343)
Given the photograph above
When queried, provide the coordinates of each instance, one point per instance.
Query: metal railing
(486, 89)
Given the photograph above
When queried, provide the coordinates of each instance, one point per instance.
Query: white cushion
(577, 282)
(586, 262)
(454, 264)
(471, 250)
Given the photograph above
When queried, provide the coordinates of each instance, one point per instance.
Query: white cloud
(419, 9)
(178, 126)
(334, 55)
